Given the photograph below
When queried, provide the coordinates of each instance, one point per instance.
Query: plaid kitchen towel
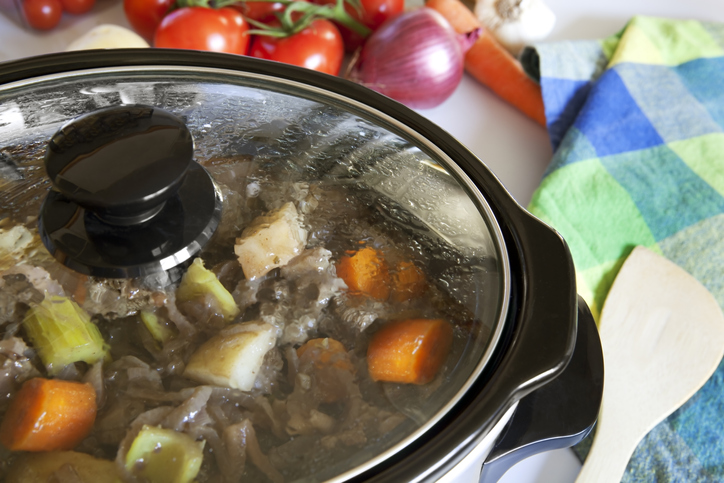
(637, 126)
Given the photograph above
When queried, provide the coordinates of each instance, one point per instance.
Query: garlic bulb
(516, 23)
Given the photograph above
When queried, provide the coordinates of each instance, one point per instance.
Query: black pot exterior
(558, 415)
(541, 324)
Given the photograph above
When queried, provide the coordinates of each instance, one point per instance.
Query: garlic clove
(516, 23)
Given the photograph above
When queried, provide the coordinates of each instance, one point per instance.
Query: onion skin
(415, 58)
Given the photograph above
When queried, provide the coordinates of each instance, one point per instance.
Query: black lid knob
(128, 199)
(121, 162)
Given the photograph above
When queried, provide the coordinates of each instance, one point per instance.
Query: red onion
(415, 58)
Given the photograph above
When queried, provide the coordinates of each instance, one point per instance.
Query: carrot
(458, 15)
(408, 282)
(326, 352)
(491, 64)
(328, 357)
(365, 272)
(49, 415)
(409, 351)
(81, 291)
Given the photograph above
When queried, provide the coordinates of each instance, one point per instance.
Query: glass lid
(328, 293)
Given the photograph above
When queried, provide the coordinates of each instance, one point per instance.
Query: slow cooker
(526, 374)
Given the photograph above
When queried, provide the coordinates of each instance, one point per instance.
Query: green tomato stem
(193, 3)
(309, 11)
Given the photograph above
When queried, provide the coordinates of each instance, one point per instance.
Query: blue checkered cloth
(637, 126)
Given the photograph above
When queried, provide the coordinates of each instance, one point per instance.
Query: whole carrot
(459, 16)
(491, 64)
(49, 415)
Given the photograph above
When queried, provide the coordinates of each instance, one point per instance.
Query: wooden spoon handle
(609, 455)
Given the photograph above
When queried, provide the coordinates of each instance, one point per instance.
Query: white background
(515, 148)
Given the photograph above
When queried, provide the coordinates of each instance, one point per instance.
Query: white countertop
(515, 148)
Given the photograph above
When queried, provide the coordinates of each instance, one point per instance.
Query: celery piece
(164, 456)
(199, 281)
(160, 332)
(63, 333)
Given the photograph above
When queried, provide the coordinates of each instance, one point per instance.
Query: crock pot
(534, 380)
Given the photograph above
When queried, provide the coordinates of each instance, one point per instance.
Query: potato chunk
(270, 241)
(51, 466)
(162, 455)
(233, 357)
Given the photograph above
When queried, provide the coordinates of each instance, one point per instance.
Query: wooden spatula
(662, 334)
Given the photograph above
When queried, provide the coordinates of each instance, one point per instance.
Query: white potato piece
(108, 37)
(233, 357)
(60, 466)
(270, 241)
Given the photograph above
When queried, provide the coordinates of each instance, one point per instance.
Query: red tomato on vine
(261, 11)
(200, 28)
(373, 13)
(77, 7)
(145, 15)
(42, 14)
(318, 47)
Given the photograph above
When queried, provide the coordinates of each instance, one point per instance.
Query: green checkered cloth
(637, 126)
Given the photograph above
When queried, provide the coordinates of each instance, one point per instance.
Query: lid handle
(122, 162)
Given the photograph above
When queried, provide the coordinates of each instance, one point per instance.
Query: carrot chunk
(408, 282)
(330, 361)
(49, 415)
(409, 351)
(365, 272)
(326, 352)
(491, 64)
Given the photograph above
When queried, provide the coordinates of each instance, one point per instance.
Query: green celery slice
(160, 332)
(199, 281)
(63, 333)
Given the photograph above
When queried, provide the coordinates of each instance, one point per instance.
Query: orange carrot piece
(325, 354)
(491, 64)
(365, 272)
(49, 415)
(326, 351)
(409, 351)
(408, 282)
(81, 291)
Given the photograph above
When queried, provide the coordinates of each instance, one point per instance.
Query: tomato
(200, 28)
(145, 15)
(42, 14)
(318, 47)
(376, 12)
(373, 14)
(262, 11)
(77, 7)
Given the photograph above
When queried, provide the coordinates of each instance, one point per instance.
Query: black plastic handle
(558, 415)
(122, 162)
